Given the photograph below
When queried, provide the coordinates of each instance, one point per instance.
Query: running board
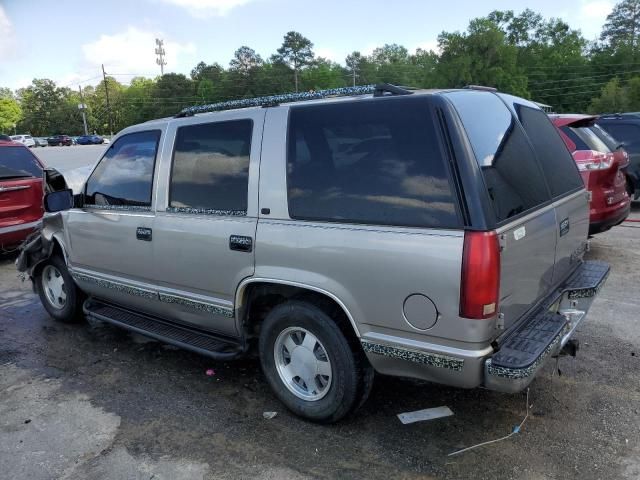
(189, 338)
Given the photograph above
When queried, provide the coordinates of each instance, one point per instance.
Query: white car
(26, 140)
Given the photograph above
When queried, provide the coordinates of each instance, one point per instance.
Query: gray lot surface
(91, 401)
(66, 159)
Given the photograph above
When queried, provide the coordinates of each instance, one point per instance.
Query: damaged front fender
(39, 246)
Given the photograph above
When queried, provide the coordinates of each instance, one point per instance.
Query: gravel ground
(92, 401)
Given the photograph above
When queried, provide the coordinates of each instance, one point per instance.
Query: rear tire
(59, 295)
(310, 365)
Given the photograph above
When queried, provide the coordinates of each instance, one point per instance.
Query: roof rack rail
(273, 100)
(481, 87)
(389, 89)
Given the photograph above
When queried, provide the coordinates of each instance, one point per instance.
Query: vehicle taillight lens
(588, 160)
(480, 279)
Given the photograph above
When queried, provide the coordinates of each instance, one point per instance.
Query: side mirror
(58, 201)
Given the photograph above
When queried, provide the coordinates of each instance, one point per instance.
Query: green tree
(481, 55)
(622, 28)
(172, 92)
(296, 52)
(10, 114)
(354, 63)
(612, 99)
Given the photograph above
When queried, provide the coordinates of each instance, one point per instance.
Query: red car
(21, 193)
(600, 168)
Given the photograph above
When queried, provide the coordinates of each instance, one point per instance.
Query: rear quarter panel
(370, 269)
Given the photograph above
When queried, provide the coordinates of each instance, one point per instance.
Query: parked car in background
(90, 140)
(26, 140)
(41, 141)
(21, 192)
(437, 235)
(60, 140)
(5, 137)
(601, 168)
(625, 129)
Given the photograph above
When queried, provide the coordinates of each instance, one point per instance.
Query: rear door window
(18, 162)
(514, 181)
(373, 161)
(124, 176)
(210, 172)
(559, 168)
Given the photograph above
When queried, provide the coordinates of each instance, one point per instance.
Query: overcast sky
(68, 40)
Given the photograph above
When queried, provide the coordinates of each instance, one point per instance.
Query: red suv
(601, 170)
(21, 192)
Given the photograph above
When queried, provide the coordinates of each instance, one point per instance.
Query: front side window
(374, 162)
(210, 172)
(512, 176)
(124, 176)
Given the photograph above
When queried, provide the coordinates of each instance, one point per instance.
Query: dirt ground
(91, 401)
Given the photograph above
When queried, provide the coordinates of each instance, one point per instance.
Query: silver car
(437, 235)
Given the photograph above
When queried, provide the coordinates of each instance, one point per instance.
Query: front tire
(59, 295)
(310, 364)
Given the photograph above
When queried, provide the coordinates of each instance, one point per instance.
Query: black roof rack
(481, 87)
(273, 100)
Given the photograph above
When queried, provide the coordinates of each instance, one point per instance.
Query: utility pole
(106, 93)
(83, 108)
(354, 76)
(160, 53)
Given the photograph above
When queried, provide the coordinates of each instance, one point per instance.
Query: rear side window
(211, 167)
(124, 176)
(557, 163)
(622, 132)
(18, 162)
(373, 162)
(511, 173)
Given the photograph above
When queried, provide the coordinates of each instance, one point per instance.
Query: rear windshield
(374, 162)
(605, 137)
(514, 181)
(586, 139)
(16, 162)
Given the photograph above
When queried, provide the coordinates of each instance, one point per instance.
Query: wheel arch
(252, 291)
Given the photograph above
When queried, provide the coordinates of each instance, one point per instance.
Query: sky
(68, 40)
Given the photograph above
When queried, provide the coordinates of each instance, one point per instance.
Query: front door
(109, 238)
(204, 231)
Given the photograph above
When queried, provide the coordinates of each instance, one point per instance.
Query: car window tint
(18, 162)
(513, 178)
(124, 175)
(622, 132)
(592, 141)
(211, 167)
(373, 162)
(573, 136)
(603, 135)
(557, 164)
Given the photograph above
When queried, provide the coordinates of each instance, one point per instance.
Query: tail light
(480, 279)
(588, 160)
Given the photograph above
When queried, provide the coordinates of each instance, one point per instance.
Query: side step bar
(199, 341)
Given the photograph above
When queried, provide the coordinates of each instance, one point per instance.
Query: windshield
(18, 162)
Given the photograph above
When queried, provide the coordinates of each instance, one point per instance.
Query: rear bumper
(484, 366)
(15, 234)
(545, 332)
(613, 218)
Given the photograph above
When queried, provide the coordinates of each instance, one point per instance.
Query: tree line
(525, 54)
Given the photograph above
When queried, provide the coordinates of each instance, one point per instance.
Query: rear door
(565, 185)
(520, 199)
(204, 233)
(21, 188)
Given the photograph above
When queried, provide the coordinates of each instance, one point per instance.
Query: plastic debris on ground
(426, 414)
(269, 415)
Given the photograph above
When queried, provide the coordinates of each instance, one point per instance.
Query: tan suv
(429, 234)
